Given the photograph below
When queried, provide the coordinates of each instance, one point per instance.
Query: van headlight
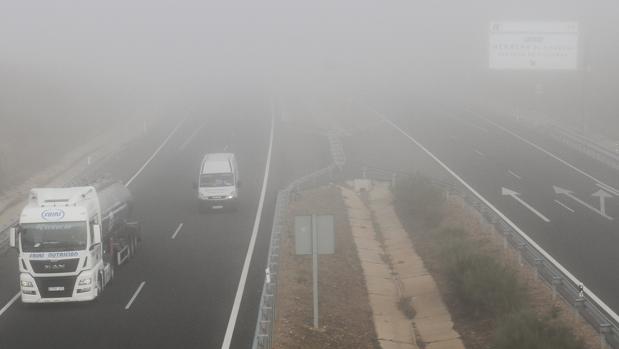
(26, 283)
(85, 281)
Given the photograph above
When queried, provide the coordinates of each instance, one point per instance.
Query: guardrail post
(556, 281)
(521, 247)
(604, 329)
(538, 264)
(579, 304)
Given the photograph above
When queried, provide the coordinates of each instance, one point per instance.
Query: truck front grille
(56, 287)
(59, 266)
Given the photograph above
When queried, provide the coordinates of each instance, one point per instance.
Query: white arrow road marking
(514, 194)
(608, 189)
(570, 194)
(603, 196)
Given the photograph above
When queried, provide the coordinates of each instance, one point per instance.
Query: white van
(218, 181)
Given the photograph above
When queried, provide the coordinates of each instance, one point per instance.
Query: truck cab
(218, 181)
(69, 240)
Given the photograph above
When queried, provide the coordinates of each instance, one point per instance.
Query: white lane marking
(191, 137)
(564, 206)
(226, 148)
(543, 150)
(8, 305)
(570, 194)
(607, 188)
(165, 141)
(513, 174)
(501, 215)
(515, 195)
(478, 127)
(180, 226)
(480, 153)
(135, 295)
(250, 250)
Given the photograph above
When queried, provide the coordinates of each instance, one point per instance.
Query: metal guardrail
(585, 145)
(267, 311)
(583, 301)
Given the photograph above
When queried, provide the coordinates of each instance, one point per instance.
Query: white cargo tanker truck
(69, 240)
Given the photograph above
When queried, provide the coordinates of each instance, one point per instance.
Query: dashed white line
(250, 250)
(195, 133)
(513, 174)
(504, 129)
(165, 141)
(564, 206)
(180, 226)
(8, 305)
(480, 153)
(135, 295)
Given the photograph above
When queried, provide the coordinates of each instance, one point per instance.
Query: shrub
(423, 199)
(524, 329)
(483, 285)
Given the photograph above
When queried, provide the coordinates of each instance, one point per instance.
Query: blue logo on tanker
(53, 214)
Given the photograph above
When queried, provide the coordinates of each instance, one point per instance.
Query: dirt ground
(477, 333)
(345, 314)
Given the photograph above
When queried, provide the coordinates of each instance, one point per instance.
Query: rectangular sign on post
(533, 45)
(303, 234)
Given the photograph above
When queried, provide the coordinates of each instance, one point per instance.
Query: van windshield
(52, 237)
(211, 180)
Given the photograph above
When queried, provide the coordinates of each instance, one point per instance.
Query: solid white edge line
(504, 129)
(135, 295)
(180, 226)
(165, 141)
(250, 250)
(8, 305)
(530, 241)
(195, 133)
(564, 206)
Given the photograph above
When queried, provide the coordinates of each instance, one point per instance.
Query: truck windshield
(51, 237)
(217, 180)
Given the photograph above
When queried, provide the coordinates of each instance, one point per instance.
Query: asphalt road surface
(545, 188)
(178, 292)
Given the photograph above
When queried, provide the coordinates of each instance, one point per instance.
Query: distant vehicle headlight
(86, 281)
(25, 283)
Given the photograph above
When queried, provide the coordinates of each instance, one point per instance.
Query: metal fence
(267, 311)
(563, 284)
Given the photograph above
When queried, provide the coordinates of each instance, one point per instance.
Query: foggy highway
(179, 290)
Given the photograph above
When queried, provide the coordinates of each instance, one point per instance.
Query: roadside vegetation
(491, 304)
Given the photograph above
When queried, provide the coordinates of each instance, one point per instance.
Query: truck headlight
(85, 282)
(25, 283)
